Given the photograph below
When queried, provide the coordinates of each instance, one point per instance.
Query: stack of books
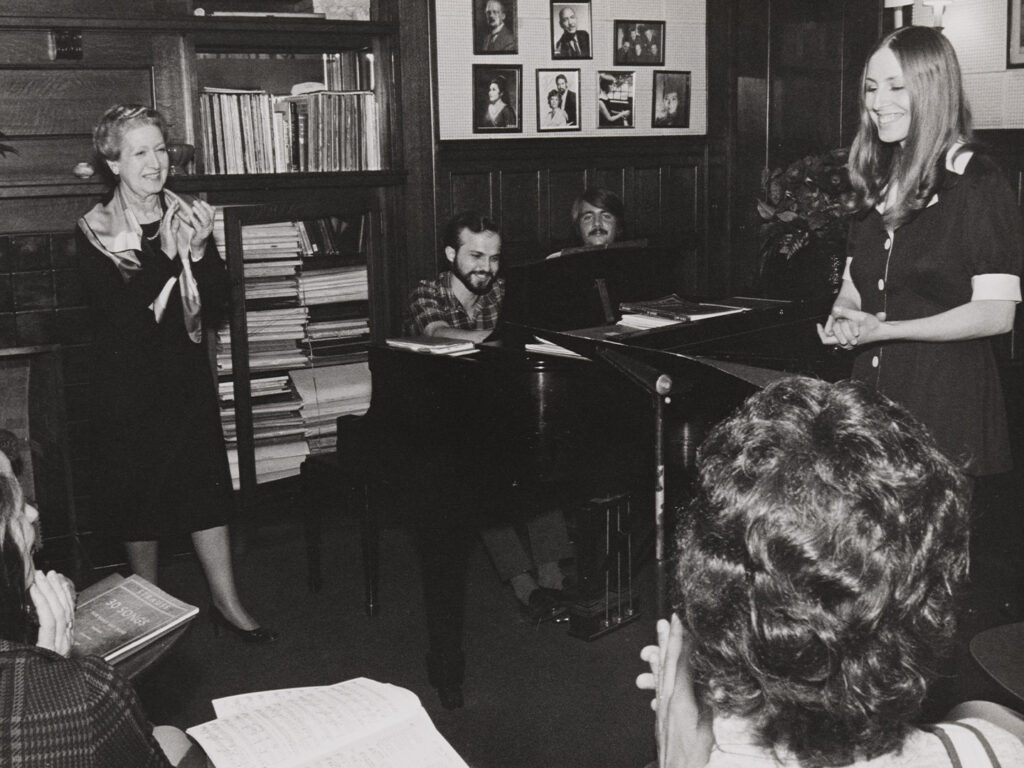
(314, 317)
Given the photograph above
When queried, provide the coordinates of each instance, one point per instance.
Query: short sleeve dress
(968, 239)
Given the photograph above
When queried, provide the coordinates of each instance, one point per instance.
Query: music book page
(359, 722)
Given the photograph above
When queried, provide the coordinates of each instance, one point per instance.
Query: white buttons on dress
(874, 361)
(881, 284)
(888, 243)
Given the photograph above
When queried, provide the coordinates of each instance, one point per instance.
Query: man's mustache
(598, 231)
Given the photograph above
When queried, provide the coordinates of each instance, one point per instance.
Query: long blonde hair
(939, 118)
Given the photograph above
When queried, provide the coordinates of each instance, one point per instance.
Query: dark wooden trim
(277, 25)
(282, 181)
(554, 152)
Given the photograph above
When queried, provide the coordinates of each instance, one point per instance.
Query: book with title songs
(127, 615)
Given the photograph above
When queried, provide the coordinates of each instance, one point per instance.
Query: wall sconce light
(898, 12)
(938, 10)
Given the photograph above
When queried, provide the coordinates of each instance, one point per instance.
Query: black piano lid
(562, 293)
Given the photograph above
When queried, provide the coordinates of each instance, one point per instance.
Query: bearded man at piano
(464, 303)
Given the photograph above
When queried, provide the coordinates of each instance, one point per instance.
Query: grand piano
(451, 444)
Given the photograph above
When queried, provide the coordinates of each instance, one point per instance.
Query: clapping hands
(198, 215)
(682, 730)
(53, 596)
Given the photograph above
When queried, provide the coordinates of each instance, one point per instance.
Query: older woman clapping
(156, 283)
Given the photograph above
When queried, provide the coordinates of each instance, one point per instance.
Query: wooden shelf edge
(277, 181)
(217, 183)
(207, 23)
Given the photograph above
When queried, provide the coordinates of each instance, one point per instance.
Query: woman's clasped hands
(847, 327)
(53, 597)
(198, 216)
(682, 729)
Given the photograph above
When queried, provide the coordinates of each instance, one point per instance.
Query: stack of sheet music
(327, 393)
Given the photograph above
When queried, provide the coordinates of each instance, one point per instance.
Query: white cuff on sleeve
(995, 286)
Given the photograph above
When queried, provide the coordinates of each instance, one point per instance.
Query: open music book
(674, 308)
(358, 723)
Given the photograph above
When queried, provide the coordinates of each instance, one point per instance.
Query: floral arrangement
(804, 208)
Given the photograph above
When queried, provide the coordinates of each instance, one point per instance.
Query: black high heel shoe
(257, 635)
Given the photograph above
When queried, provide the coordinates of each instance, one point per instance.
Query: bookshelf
(296, 131)
(293, 358)
(157, 52)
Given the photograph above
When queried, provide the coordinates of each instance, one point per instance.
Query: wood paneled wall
(528, 188)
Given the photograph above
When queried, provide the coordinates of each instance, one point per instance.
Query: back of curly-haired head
(817, 568)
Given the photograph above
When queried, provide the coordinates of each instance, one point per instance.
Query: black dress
(160, 466)
(974, 228)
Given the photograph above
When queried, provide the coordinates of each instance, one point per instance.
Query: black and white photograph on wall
(671, 100)
(494, 27)
(1015, 51)
(497, 98)
(558, 99)
(639, 42)
(570, 30)
(615, 99)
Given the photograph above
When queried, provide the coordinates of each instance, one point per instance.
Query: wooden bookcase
(236, 219)
(156, 52)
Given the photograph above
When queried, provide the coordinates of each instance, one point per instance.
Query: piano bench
(338, 481)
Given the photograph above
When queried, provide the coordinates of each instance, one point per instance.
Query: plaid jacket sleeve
(425, 307)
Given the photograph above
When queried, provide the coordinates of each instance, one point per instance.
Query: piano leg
(444, 556)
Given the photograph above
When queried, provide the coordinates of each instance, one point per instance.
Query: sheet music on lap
(359, 723)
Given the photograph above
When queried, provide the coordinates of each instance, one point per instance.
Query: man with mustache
(597, 216)
(497, 38)
(462, 303)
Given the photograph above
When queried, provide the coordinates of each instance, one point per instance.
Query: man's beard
(477, 281)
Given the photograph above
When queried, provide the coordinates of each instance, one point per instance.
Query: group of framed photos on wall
(563, 101)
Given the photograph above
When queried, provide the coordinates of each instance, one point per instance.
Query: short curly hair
(817, 567)
(118, 120)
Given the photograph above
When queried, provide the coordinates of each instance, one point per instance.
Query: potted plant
(802, 237)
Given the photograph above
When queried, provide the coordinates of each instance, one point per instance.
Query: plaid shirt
(77, 713)
(434, 300)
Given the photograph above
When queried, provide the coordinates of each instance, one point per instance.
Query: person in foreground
(935, 254)
(814, 583)
(56, 711)
(156, 283)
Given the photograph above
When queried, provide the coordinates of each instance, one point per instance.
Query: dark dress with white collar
(926, 268)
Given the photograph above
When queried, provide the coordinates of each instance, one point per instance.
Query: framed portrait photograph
(638, 42)
(497, 98)
(570, 30)
(671, 102)
(615, 99)
(558, 100)
(494, 27)
(1015, 45)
